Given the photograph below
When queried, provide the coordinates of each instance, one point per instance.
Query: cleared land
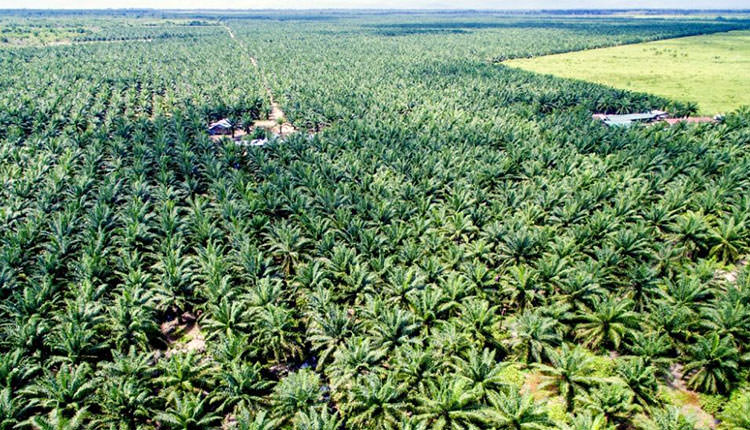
(710, 70)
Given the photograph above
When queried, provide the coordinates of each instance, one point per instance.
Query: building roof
(224, 123)
(628, 119)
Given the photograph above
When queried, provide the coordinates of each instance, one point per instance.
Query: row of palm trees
(310, 292)
(417, 269)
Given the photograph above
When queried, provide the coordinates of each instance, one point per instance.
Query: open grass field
(710, 70)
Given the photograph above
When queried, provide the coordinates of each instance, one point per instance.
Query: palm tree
(57, 420)
(580, 288)
(183, 373)
(426, 305)
(586, 421)
(641, 379)
(613, 401)
(607, 322)
(450, 338)
(16, 369)
(376, 403)
(280, 122)
(246, 122)
(688, 291)
(123, 402)
(414, 364)
(520, 244)
(729, 239)
(67, 390)
(277, 333)
(286, 244)
(131, 318)
(77, 338)
(676, 321)
(328, 331)
(227, 317)
(265, 292)
(653, 348)
(401, 282)
(691, 230)
(570, 372)
(521, 286)
(644, 286)
(297, 392)
(513, 411)
(728, 318)
(393, 327)
(532, 335)
(12, 409)
(482, 370)
(242, 385)
(134, 366)
(252, 263)
(448, 403)
(481, 321)
(669, 418)
(259, 421)
(313, 419)
(188, 412)
(175, 278)
(312, 276)
(357, 357)
(713, 364)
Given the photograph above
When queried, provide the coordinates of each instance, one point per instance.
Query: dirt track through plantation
(229, 30)
(276, 121)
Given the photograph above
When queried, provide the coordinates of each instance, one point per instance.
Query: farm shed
(220, 127)
(627, 120)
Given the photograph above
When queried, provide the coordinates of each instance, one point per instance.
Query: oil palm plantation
(570, 372)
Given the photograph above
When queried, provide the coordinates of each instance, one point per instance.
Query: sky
(375, 4)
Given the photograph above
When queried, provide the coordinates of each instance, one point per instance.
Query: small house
(221, 127)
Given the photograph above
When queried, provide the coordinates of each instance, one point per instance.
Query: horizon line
(135, 9)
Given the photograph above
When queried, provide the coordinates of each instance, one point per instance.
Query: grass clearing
(709, 70)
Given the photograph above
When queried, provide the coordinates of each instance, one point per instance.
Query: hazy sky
(381, 4)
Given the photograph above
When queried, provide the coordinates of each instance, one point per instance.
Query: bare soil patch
(732, 275)
(690, 404)
(532, 386)
(185, 336)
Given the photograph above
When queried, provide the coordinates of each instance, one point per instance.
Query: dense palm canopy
(447, 243)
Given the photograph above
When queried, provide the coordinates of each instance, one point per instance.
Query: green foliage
(715, 365)
(690, 62)
(736, 413)
(571, 370)
(669, 418)
(514, 411)
(297, 392)
(441, 235)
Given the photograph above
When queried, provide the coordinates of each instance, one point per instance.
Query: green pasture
(712, 71)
